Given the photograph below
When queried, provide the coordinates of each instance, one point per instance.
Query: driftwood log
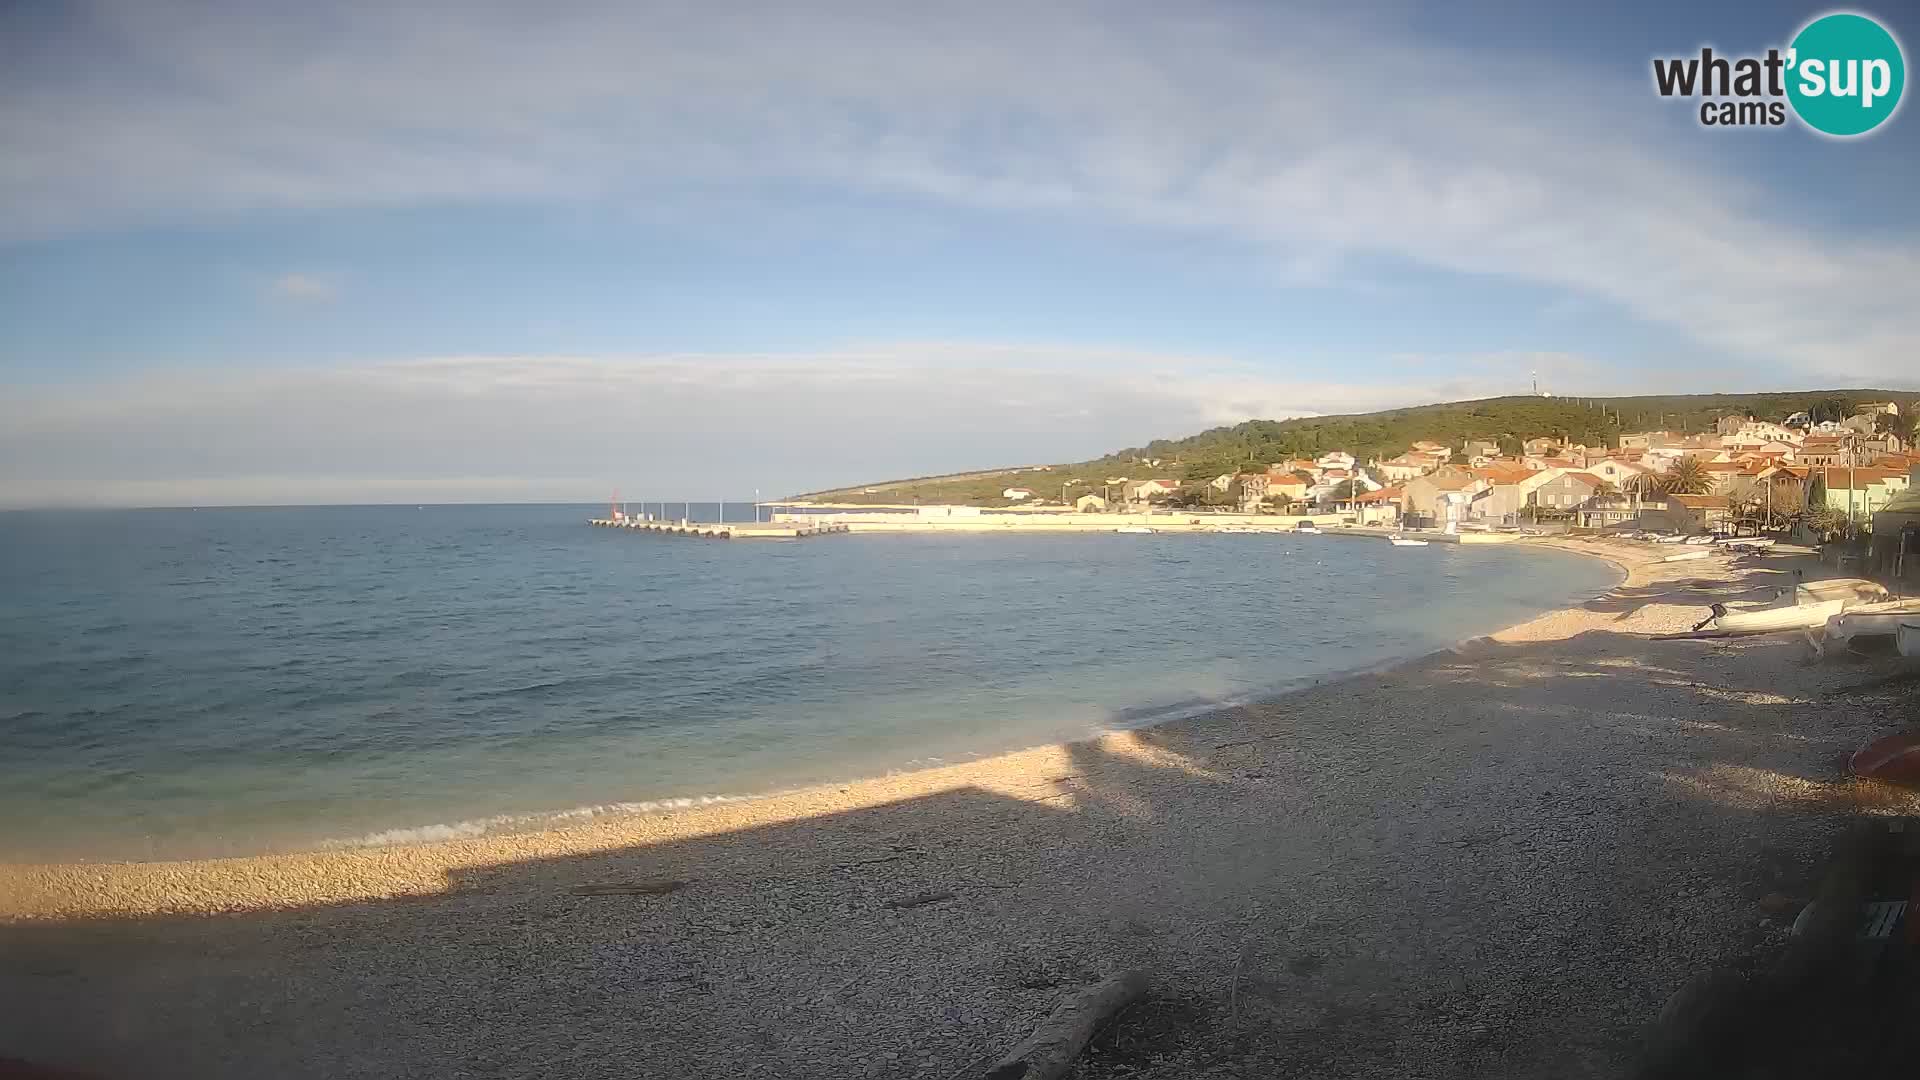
(1049, 1052)
(630, 888)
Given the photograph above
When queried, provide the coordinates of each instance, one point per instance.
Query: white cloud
(303, 287)
(1316, 138)
(573, 429)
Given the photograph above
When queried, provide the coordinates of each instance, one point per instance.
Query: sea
(206, 682)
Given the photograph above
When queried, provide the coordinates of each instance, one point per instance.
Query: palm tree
(1686, 477)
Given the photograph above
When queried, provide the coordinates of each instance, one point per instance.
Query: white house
(1335, 459)
(1405, 467)
(1017, 493)
(1146, 489)
(1221, 483)
(1616, 472)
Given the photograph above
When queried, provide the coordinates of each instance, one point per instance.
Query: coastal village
(1746, 474)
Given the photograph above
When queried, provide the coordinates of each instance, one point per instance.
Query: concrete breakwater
(731, 530)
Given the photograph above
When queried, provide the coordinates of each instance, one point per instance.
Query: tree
(1686, 477)
(1643, 485)
(1834, 407)
(1747, 501)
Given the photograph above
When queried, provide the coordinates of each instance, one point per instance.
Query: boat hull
(1802, 616)
(1870, 627)
(1893, 760)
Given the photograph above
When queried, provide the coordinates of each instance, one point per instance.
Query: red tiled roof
(1504, 473)
(1700, 502)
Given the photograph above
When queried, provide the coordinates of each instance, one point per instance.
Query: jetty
(793, 526)
(719, 530)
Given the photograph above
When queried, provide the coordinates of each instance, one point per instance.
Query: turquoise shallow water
(193, 682)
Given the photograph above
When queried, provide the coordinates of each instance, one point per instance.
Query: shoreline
(1497, 859)
(344, 871)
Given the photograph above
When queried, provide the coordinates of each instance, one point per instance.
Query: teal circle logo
(1845, 73)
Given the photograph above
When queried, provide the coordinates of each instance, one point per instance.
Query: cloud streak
(1222, 121)
(302, 287)
(573, 429)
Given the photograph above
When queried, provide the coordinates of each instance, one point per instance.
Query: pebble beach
(1495, 860)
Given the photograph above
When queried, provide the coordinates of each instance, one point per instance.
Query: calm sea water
(193, 682)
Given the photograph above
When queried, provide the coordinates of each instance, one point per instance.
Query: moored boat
(1401, 541)
(1133, 529)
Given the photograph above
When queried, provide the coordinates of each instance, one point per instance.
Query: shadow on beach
(1499, 861)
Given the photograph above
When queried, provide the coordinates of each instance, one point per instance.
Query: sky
(453, 252)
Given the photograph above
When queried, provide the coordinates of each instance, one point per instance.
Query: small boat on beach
(1774, 619)
(1686, 556)
(1133, 529)
(1401, 541)
(1850, 588)
(1869, 628)
(1894, 760)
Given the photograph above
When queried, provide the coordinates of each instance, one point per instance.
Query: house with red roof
(1147, 489)
(1427, 496)
(1690, 514)
(1378, 507)
(1511, 490)
(1855, 491)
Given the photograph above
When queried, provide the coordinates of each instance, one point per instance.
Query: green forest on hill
(1253, 445)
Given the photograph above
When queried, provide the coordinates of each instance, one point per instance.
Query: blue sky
(455, 251)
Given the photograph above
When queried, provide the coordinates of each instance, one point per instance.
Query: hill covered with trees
(1253, 445)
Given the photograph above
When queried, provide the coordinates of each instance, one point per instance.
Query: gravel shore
(1495, 861)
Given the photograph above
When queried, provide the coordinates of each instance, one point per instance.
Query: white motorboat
(1133, 529)
(1308, 530)
(1401, 541)
(1906, 640)
(1772, 619)
(1851, 627)
(1851, 588)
